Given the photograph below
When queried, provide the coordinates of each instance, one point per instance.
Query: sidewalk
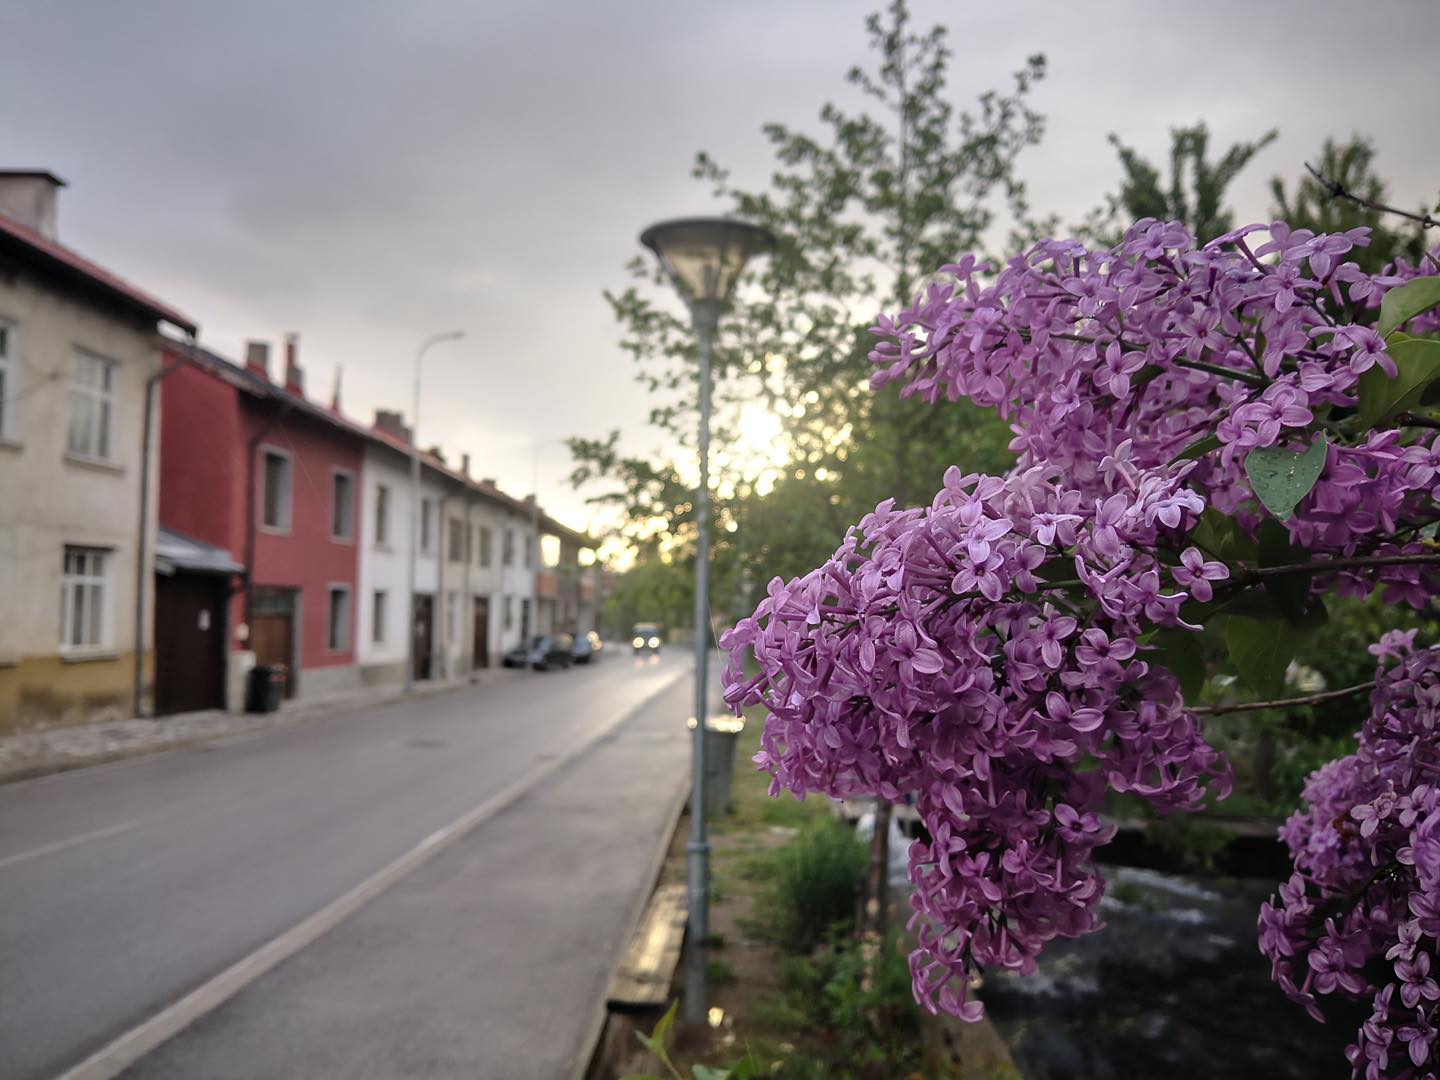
(486, 963)
(49, 750)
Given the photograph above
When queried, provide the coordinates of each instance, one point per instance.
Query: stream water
(1173, 988)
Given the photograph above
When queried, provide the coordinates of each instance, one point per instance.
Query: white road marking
(61, 845)
(129, 1047)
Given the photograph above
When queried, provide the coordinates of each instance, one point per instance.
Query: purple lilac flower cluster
(1145, 349)
(932, 655)
(1360, 917)
(990, 655)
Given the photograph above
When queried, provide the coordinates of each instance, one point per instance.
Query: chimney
(393, 424)
(29, 197)
(294, 377)
(465, 465)
(335, 397)
(257, 358)
(436, 453)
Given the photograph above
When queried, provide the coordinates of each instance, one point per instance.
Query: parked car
(542, 653)
(552, 650)
(587, 647)
(646, 638)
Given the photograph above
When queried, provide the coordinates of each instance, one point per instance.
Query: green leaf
(1199, 448)
(1291, 592)
(706, 1072)
(1180, 652)
(1399, 306)
(1417, 363)
(749, 1067)
(1282, 478)
(1261, 650)
(1220, 536)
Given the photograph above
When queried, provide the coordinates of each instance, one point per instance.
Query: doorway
(481, 658)
(423, 632)
(272, 632)
(190, 622)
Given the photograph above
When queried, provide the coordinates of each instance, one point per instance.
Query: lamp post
(703, 258)
(451, 335)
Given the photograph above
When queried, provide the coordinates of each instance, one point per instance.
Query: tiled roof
(257, 385)
(58, 258)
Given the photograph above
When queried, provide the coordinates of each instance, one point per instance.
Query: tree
(1194, 194)
(1312, 204)
(859, 208)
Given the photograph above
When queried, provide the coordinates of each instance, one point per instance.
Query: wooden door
(423, 629)
(482, 632)
(272, 637)
(189, 643)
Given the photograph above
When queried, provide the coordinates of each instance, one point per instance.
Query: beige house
(79, 359)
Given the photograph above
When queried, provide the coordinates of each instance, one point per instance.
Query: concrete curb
(130, 1046)
(592, 1046)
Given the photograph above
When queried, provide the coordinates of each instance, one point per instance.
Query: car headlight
(654, 643)
(639, 643)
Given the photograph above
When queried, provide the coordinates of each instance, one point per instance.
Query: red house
(256, 478)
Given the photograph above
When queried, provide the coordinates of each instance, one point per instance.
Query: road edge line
(130, 1046)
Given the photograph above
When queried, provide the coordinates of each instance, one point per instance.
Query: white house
(79, 361)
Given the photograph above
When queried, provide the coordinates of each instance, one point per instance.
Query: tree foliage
(880, 192)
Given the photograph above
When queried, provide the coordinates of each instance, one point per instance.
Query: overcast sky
(369, 173)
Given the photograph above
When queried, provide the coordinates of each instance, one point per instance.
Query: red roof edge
(58, 256)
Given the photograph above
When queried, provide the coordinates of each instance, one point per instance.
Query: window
(84, 599)
(339, 638)
(275, 494)
(469, 540)
(382, 514)
(452, 613)
(342, 506)
(486, 543)
(456, 539)
(508, 554)
(425, 511)
(377, 617)
(529, 552)
(92, 406)
(9, 377)
(509, 612)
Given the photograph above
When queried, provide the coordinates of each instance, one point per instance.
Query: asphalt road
(125, 886)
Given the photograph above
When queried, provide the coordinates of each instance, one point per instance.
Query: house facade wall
(214, 433)
(307, 557)
(385, 566)
(51, 498)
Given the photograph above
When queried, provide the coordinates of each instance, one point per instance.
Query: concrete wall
(49, 498)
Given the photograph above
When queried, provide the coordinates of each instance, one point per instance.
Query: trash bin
(266, 688)
(721, 734)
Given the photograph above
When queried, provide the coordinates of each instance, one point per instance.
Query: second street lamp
(704, 258)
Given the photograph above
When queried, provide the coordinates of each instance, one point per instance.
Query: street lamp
(451, 335)
(704, 258)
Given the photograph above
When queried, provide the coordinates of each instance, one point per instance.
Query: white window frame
(349, 476)
(88, 577)
(382, 515)
(379, 612)
(347, 626)
(10, 364)
(262, 489)
(103, 402)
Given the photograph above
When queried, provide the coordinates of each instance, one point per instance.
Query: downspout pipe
(143, 570)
